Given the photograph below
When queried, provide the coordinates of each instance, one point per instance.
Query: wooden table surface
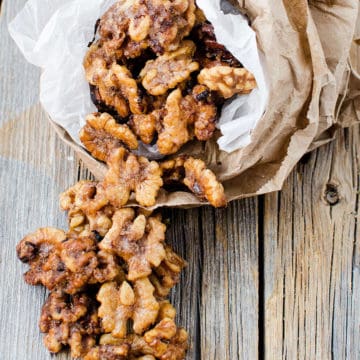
(275, 277)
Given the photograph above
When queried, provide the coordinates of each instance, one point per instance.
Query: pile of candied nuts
(109, 277)
(158, 77)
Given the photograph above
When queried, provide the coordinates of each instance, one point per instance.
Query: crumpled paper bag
(313, 91)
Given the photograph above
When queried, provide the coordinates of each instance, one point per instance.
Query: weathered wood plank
(30, 184)
(311, 243)
(34, 168)
(229, 292)
(19, 81)
(184, 235)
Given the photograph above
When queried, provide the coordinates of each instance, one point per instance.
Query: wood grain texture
(229, 295)
(276, 277)
(311, 247)
(34, 167)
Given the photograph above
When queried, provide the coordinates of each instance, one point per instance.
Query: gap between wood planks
(261, 252)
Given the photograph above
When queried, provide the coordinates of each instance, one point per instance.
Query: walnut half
(167, 274)
(203, 183)
(136, 239)
(121, 303)
(69, 321)
(196, 176)
(169, 69)
(184, 117)
(129, 173)
(102, 134)
(227, 80)
(66, 262)
(165, 341)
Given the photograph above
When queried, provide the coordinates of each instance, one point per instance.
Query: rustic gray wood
(311, 268)
(275, 277)
(229, 304)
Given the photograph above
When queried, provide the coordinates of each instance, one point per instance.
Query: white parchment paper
(54, 34)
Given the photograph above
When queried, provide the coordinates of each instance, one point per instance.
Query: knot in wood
(331, 195)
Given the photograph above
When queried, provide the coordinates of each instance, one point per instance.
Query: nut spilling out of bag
(109, 276)
(158, 77)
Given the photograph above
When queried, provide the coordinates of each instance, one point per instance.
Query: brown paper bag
(314, 90)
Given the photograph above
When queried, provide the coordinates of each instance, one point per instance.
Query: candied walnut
(96, 62)
(194, 174)
(175, 131)
(169, 70)
(167, 274)
(132, 26)
(43, 239)
(172, 21)
(108, 268)
(102, 134)
(203, 183)
(85, 265)
(138, 240)
(88, 208)
(67, 198)
(67, 263)
(112, 98)
(114, 84)
(108, 352)
(41, 250)
(90, 197)
(128, 173)
(85, 195)
(79, 257)
(144, 126)
(120, 304)
(122, 78)
(82, 266)
(101, 221)
(100, 76)
(136, 346)
(69, 320)
(122, 18)
(199, 109)
(227, 80)
(101, 106)
(166, 340)
(205, 122)
(180, 112)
